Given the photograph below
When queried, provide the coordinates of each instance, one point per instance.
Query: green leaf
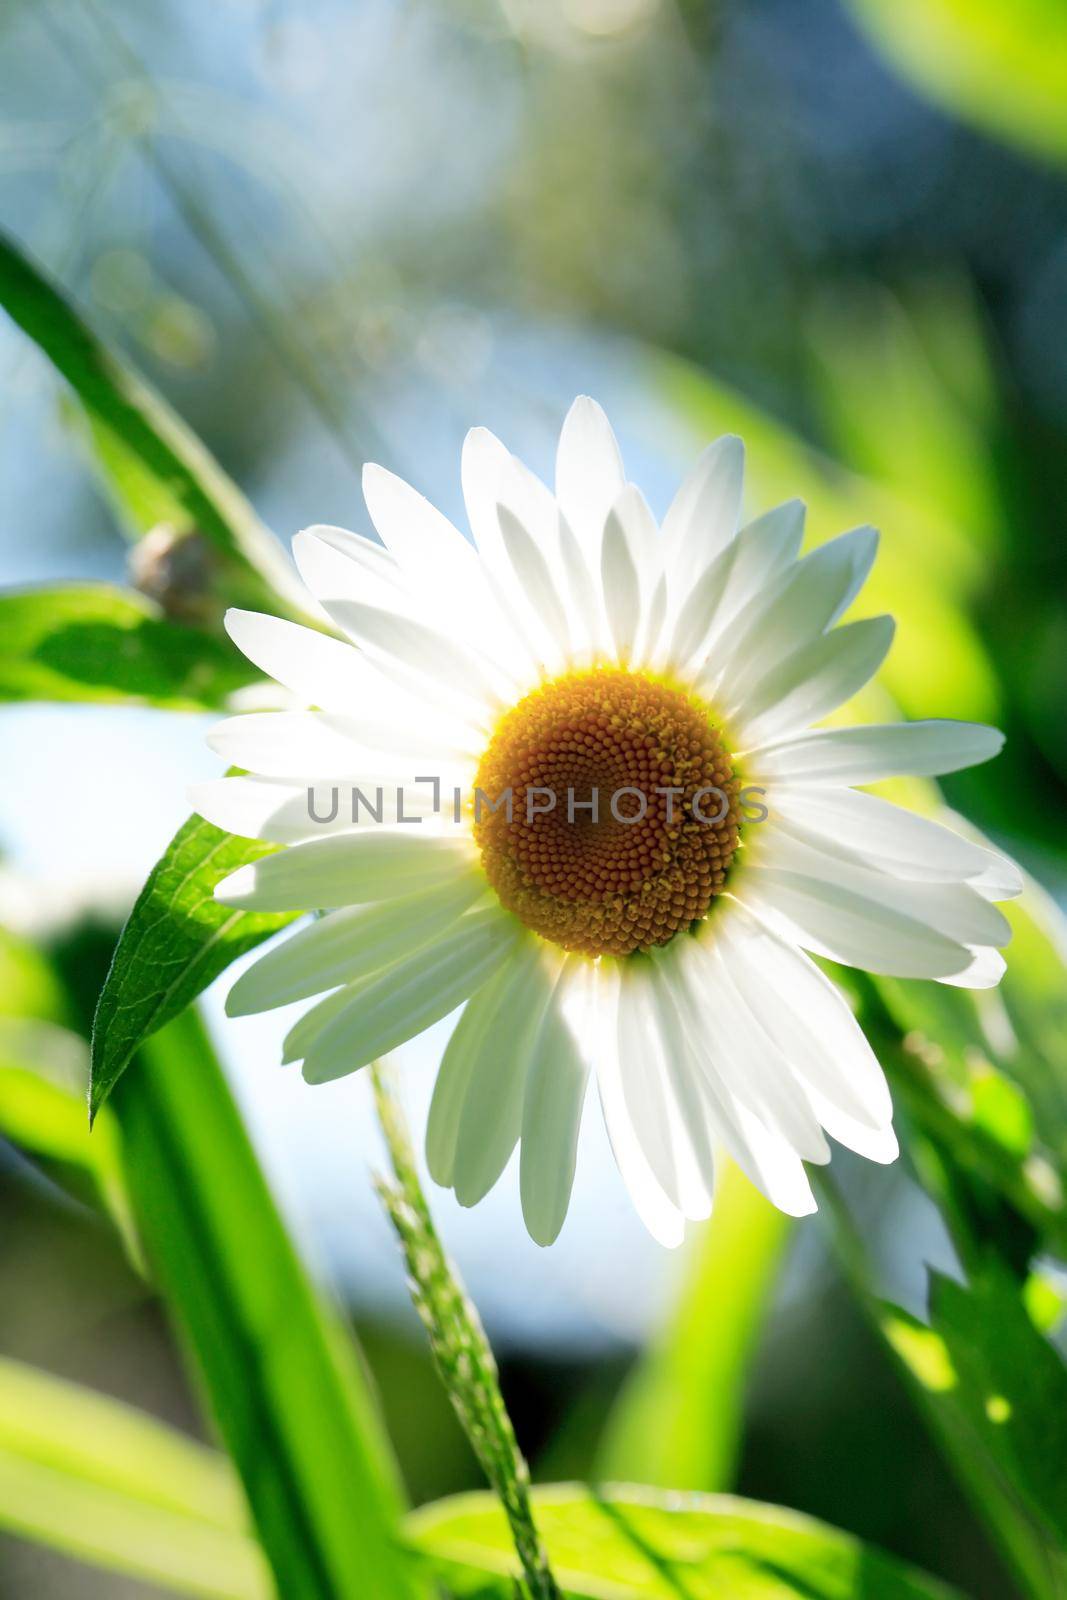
(98, 1480)
(995, 1392)
(44, 1076)
(93, 642)
(146, 431)
(281, 1381)
(1001, 67)
(634, 1544)
(677, 1421)
(176, 941)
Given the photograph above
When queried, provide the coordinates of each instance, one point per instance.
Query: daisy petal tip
(236, 620)
(237, 888)
(234, 1006)
(886, 1149)
(543, 1232)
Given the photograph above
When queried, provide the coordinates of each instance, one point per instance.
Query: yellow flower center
(606, 811)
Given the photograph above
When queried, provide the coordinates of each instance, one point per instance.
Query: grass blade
(119, 401)
(460, 1348)
(283, 1385)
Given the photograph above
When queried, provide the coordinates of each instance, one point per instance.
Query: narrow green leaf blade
(95, 642)
(87, 1475)
(677, 1421)
(282, 1383)
(120, 401)
(632, 1544)
(177, 939)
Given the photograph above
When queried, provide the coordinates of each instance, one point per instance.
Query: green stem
(457, 1339)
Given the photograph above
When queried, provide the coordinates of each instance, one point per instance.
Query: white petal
(422, 542)
(289, 813)
(317, 745)
(535, 576)
(438, 564)
(954, 909)
(762, 1154)
(766, 546)
(869, 754)
(349, 945)
(704, 514)
(303, 1034)
(413, 994)
(556, 1079)
(472, 1033)
(320, 671)
(807, 1016)
(589, 475)
(491, 1117)
(484, 462)
(588, 630)
(626, 533)
(878, 833)
(812, 682)
(849, 927)
(493, 476)
(999, 877)
(983, 971)
(686, 642)
(337, 565)
(346, 869)
(660, 1216)
(753, 1070)
(423, 660)
(675, 1145)
(797, 606)
(730, 581)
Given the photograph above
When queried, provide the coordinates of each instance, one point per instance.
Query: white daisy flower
(577, 654)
